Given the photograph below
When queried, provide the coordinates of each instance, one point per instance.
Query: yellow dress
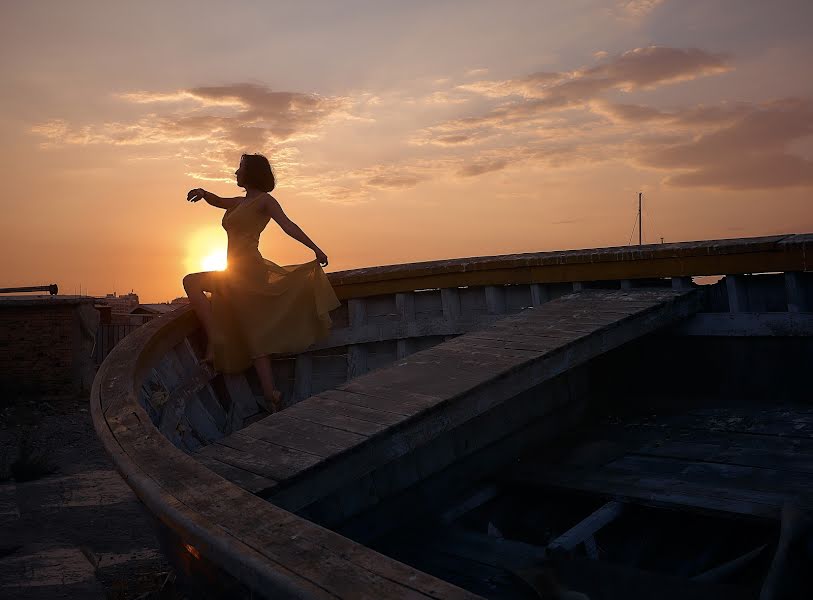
(260, 307)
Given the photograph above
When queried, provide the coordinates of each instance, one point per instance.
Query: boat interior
(610, 423)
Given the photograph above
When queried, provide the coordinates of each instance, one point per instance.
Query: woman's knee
(189, 282)
(199, 282)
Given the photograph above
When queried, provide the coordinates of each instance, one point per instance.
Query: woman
(257, 307)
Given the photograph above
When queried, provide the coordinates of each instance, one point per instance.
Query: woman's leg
(195, 284)
(272, 396)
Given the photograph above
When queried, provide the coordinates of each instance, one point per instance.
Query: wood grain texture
(432, 392)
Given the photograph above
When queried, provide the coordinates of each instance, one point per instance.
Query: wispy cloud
(230, 118)
(636, 8)
(640, 68)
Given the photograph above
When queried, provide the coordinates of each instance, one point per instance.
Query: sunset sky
(400, 131)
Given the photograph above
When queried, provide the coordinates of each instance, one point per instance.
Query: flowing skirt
(262, 308)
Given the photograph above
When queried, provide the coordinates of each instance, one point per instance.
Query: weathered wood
(348, 404)
(324, 416)
(303, 374)
(206, 395)
(685, 259)
(495, 299)
(797, 292)
(721, 572)
(539, 294)
(405, 307)
(478, 498)
(659, 491)
(681, 283)
(302, 435)
(243, 404)
(423, 498)
(246, 479)
(451, 303)
(587, 528)
(439, 376)
(205, 513)
(356, 353)
(263, 457)
(737, 293)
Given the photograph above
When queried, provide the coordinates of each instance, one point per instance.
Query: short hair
(258, 172)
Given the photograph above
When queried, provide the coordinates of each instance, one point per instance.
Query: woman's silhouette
(258, 307)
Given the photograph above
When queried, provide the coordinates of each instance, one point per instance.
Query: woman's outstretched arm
(274, 210)
(213, 199)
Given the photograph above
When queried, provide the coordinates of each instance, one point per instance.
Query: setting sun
(206, 250)
(215, 261)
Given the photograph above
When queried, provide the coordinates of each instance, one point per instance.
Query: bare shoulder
(272, 208)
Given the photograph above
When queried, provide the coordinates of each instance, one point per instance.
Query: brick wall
(45, 345)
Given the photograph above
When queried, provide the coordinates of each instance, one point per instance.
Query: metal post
(640, 232)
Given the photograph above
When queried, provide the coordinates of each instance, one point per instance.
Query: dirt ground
(69, 525)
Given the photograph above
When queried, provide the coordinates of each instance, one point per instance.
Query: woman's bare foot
(274, 404)
(209, 358)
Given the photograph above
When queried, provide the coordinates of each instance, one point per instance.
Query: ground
(70, 526)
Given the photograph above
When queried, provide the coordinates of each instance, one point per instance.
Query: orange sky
(399, 131)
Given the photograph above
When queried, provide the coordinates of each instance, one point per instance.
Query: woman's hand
(322, 257)
(196, 194)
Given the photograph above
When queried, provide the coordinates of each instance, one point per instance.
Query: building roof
(152, 308)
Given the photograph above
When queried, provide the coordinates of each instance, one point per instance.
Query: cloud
(482, 167)
(640, 68)
(532, 101)
(212, 125)
(636, 8)
(731, 146)
(394, 181)
(258, 117)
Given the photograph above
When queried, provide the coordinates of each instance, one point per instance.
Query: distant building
(180, 300)
(146, 312)
(120, 306)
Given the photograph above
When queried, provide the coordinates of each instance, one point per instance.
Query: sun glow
(206, 250)
(215, 261)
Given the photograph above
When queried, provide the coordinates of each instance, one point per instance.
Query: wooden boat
(481, 427)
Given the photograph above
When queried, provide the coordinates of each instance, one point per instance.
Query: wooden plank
(405, 307)
(737, 293)
(472, 501)
(720, 474)
(356, 353)
(425, 378)
(342, 403)
(658, 491)
(302, 435)
(495, 299)
(313, 414)
(539, 294)
(424, 372)
(396, 400)
(303, 375)
(299, 548)
(206, 394)
(588, 527)
(245, 479)
(796, 291)
(450, 297)
(709, 257)
(242, 397)
(262, 457)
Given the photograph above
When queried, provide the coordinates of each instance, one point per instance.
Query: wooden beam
(478, 498)
(587, 528)
(686, 259)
